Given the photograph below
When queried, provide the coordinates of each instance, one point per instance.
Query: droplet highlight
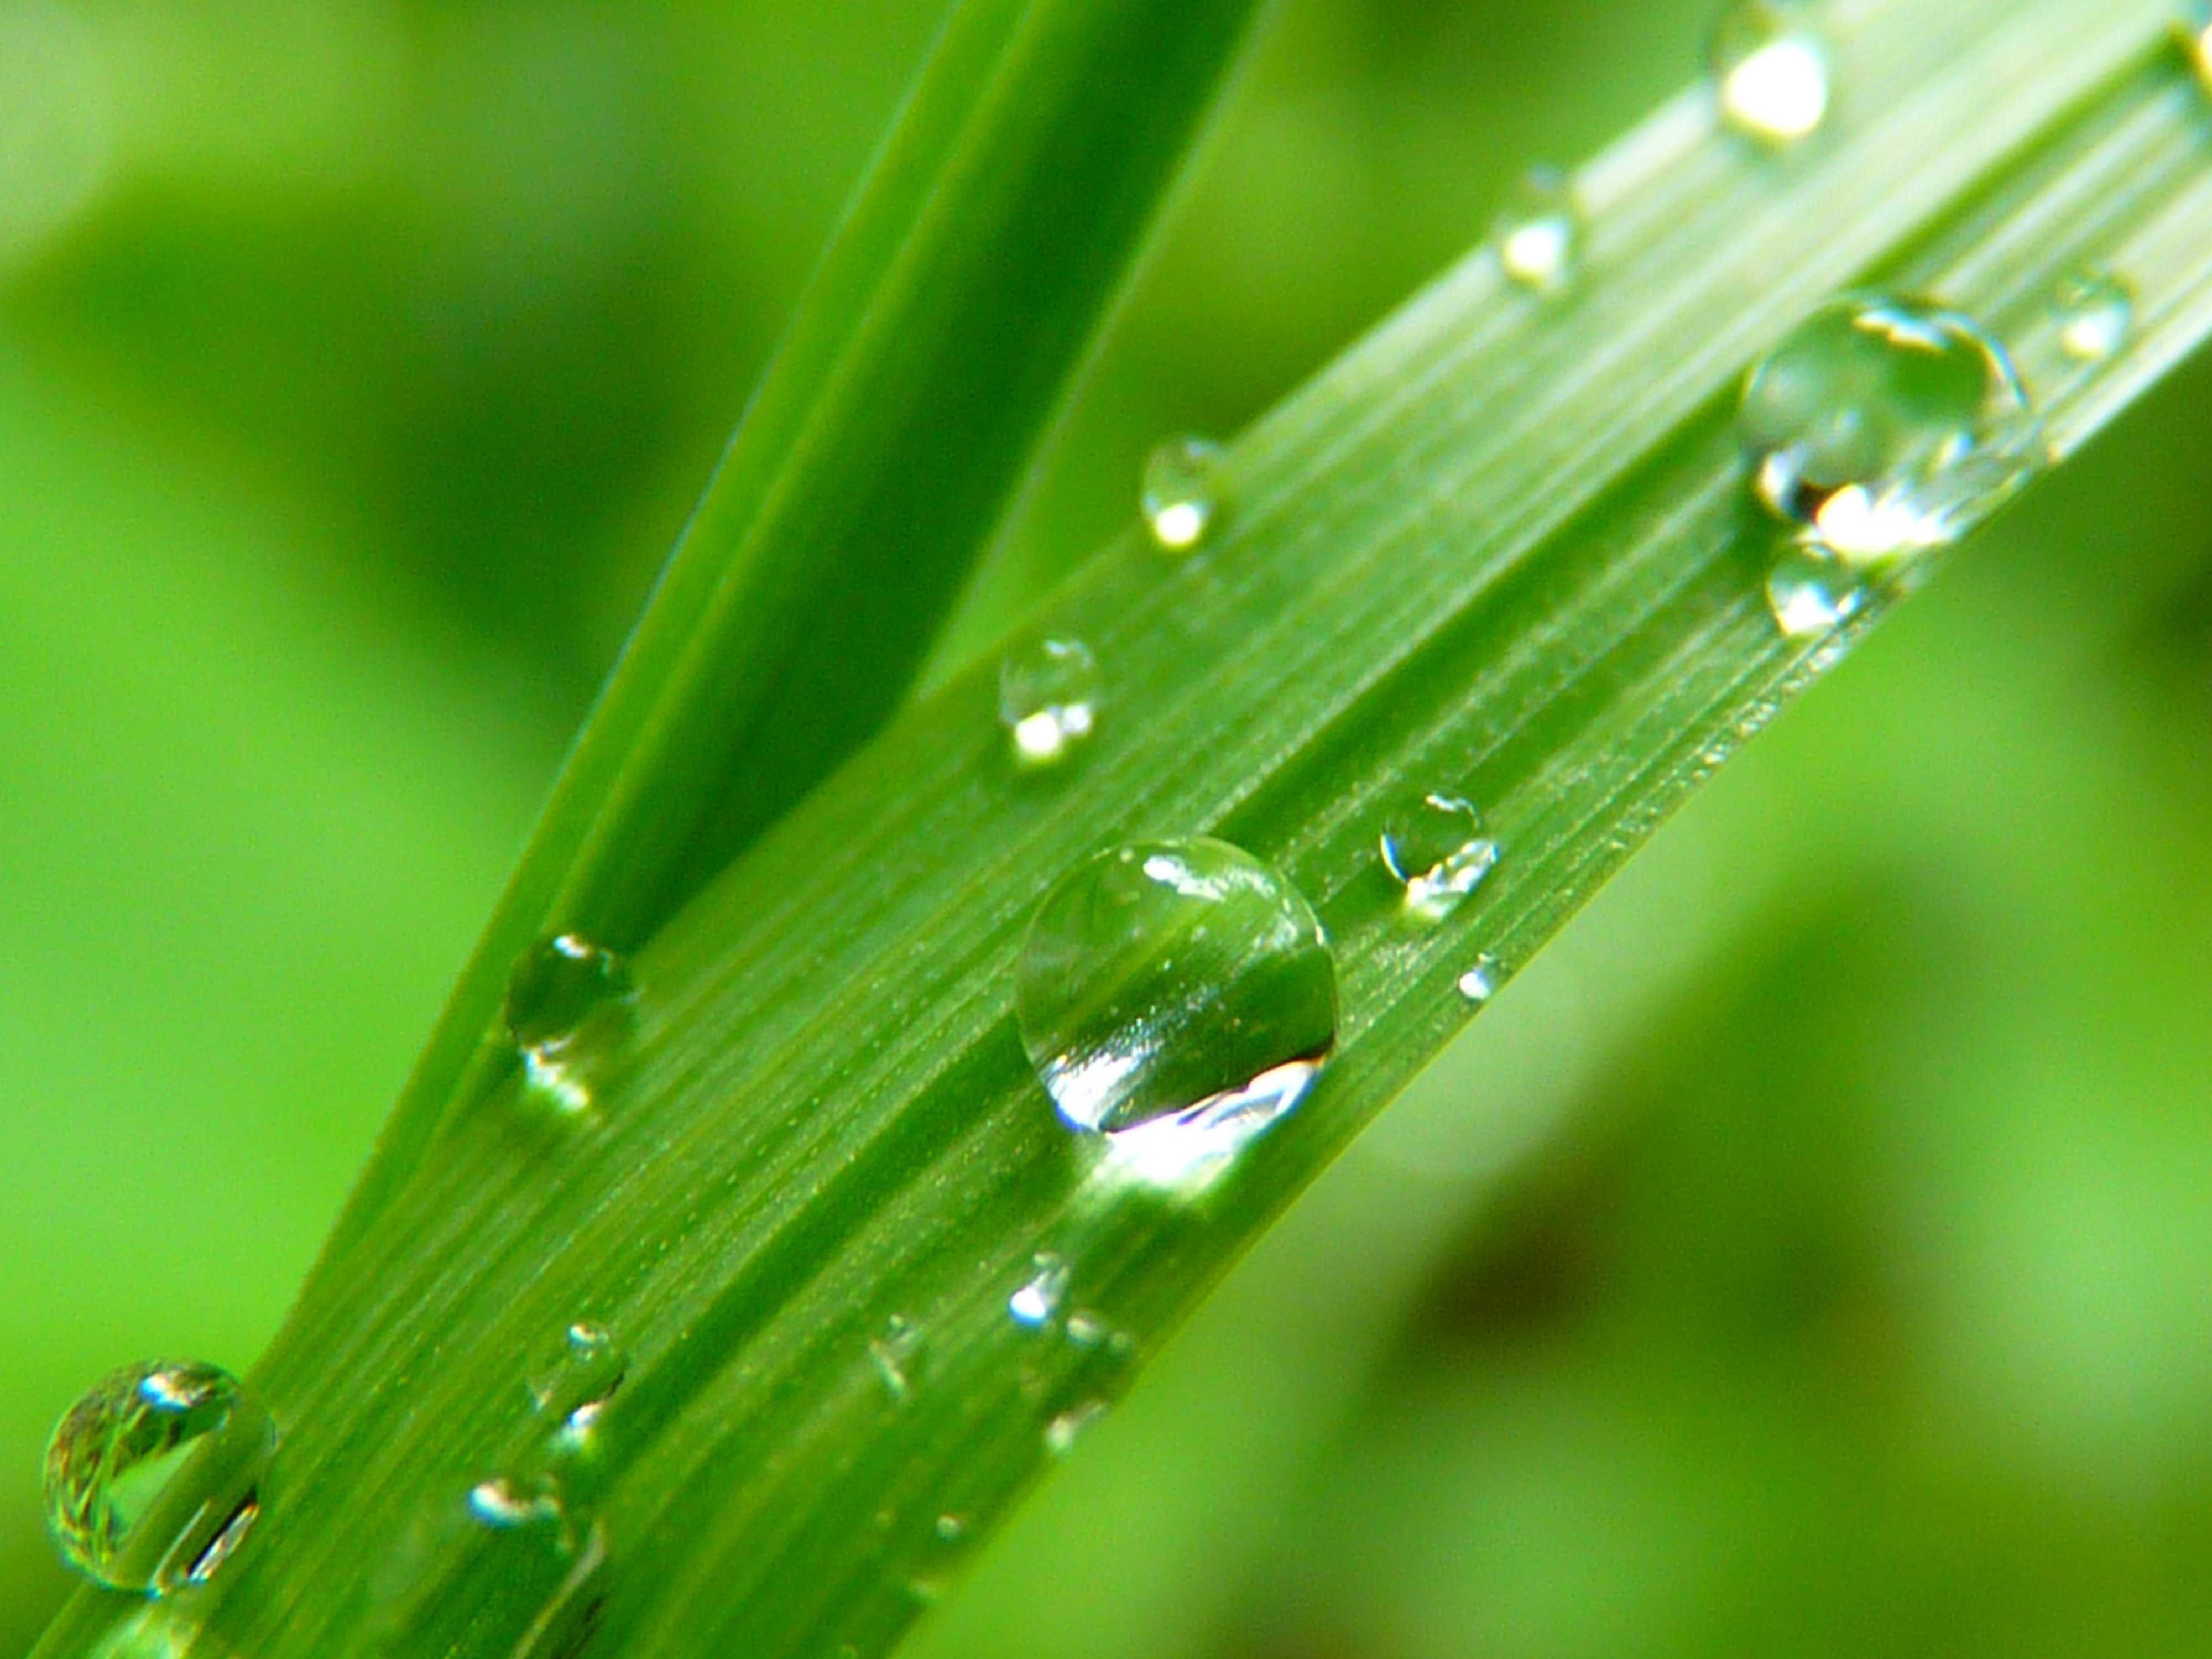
(1811, 591)
(567, 1002)
(1479, 983)
(1183, 491)
(1437, 849)
(1048, 696)
(2096, 312)
(1178, 997)
(2195, 26)
(1883, 427)
(1540, 232)
(1771, 71)
(153, 1479)
(1036, 1303)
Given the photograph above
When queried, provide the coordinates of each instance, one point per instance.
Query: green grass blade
(927, 362)
(1499, 547)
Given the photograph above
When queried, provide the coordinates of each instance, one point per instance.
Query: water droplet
(1048, 698)
(572, 1378)
(153, 1479)
(2195, 28)
(1086, 1330)
(509, 1569)
(1539, 233)
(1436, 849)
(1036, 1303)
(1177, 997)
(566, 1000)
(951, 1528)
(1067, 1427)
(1182, 492)
(507, 1505)
(1884, 427)
(2096, 311)
(1771, 70)
(897, 1355)
(1480, 983)
(1811, 591)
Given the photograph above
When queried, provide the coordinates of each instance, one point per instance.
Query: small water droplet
(1884, 427)
(510, 1568)
(1480, 983)
(2096, 312)
(897, 1355)
(1048, 696)
(573, 1377)
(153, 1479)
(951, 1528)
(1067, 1427)
(1177, 997)
(1036, 1303)
(1811, 591)
(566, 1000)
(1771, 70)
(1435, 847)
(1183, 491)
(1086, 1330)
(507, 1503)
(1540, 231)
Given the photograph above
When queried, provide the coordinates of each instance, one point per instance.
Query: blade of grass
(1499, 547)
(929, 360)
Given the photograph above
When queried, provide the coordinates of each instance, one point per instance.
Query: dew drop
(566, 1002)
(1884, 427)
(1771, 70)
(1177, 997)
(1811, 591)
(1435, 847)
(1048, 698)
(1086, 1330)
(951, 1528)
(1539, 233)
(1067, 1427)
(2096, 312)
(1183, 491)
(1480, 983)
(897, 1353)
(572, 1378)
(1036, 1303)
(153, 1479)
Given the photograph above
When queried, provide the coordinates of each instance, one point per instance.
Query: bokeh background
(1811, 1253)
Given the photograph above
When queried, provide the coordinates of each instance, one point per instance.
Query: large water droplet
(568, 1001)
(2096, 312)
(1436, 849)
(1035, 1304)
(1539, 233)
(1884, 427)
(1771, 70)
(154, 1478)
(1177, 996)
(1048, 696)
(1183, 491)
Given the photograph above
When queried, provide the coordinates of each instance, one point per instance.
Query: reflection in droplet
(1539, 233)
(1811, 591)
(153, 1479)
(1883, 427)
(1048, 696)
(567, 1001)
(1177, 997)
(1183, 491)
(1436, 849)
(1771, 70)
(1036, 1303)
(1480, 983)
(2096, 312)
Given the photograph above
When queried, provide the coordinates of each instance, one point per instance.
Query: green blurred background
(1812, 1253)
